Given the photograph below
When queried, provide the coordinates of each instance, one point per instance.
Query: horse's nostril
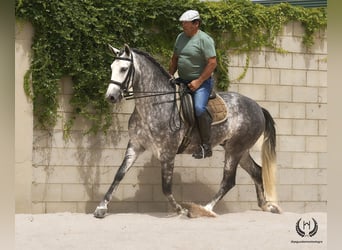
(111, 98)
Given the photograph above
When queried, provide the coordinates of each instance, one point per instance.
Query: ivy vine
(71, 37)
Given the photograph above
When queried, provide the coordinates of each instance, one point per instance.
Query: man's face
(190, 28)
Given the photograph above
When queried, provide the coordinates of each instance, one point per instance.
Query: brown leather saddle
(217, 109)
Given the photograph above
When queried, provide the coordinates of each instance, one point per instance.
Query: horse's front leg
(167, 176)
(132, 152)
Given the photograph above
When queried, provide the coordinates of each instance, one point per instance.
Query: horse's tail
(268, 155)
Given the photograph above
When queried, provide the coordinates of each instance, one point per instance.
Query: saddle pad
(218, 110)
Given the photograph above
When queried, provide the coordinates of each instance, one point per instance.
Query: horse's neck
(151, 77)
(155, 95)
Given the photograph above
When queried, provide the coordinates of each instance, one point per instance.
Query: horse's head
(122, 74)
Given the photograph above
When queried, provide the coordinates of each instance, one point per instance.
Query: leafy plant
(71, 37)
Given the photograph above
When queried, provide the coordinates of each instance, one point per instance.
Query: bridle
(127, 83)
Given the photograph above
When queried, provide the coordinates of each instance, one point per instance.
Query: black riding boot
(204, 127)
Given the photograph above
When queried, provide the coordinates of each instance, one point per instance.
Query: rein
(130, 94)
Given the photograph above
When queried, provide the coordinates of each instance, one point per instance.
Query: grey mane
(154, 61)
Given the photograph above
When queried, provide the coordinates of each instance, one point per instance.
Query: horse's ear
(114, 50)
(127, 49)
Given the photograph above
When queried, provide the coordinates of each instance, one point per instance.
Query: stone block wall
(73, 175)
(293, 87)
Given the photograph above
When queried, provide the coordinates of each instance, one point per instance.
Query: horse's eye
(123, 70)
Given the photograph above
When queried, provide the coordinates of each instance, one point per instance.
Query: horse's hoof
(195, 210)
(100, 212)
(182, 211)
(272, 207)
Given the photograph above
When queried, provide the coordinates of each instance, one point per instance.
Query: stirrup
(203, 152)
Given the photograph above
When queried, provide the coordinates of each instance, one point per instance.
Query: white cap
(189, 15)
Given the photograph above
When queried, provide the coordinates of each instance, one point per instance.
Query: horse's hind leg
(131, 155)
(254, 170)
(228, 181)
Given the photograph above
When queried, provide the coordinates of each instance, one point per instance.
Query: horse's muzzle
(112, 99)
(113, 93)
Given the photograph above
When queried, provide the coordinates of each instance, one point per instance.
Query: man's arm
(173, 64)
(208, 70)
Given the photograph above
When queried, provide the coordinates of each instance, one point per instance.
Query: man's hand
(208, 70)
(172, 80)
(194, 84)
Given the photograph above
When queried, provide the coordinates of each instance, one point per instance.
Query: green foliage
(71, 39)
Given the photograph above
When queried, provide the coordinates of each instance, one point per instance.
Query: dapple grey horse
(154, 125)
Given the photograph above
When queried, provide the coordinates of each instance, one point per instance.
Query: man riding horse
(195, 58)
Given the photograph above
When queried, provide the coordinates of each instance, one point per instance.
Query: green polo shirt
(193, 54)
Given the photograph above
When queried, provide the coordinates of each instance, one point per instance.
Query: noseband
(126, 84)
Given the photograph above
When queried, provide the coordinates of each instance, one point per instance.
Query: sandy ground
(246, 230)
